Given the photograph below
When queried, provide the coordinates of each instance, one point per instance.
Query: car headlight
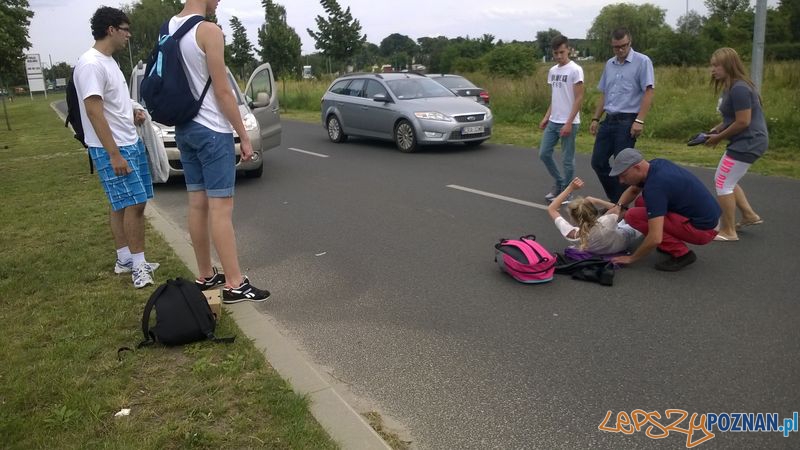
(433, 115)
(250, 122)
(488, 115)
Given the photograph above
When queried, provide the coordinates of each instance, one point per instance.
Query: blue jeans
(613, 136)
(549, 139)
(208, 159)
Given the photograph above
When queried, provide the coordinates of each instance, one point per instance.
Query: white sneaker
(142, 275)
(121, 267)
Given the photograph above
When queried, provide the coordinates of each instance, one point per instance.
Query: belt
(619, 117)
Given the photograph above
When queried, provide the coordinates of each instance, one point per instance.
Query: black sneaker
(674, 264)
(245, 292)
(210, 282)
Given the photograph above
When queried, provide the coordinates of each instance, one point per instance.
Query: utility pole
(757, 66)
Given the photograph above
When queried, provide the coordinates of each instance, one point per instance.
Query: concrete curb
(340, 420)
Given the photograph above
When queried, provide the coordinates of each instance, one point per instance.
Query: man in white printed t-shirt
(117, 152)
(562, 119)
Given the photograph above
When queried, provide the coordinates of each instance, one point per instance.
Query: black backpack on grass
(74, 118)
(182, 315)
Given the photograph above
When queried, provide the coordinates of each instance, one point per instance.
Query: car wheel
(474, 143)
(405, 138)
(255, 173)
(335, 132)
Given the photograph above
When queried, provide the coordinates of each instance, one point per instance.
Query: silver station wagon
(407, 108)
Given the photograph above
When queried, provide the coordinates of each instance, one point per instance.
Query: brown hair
(584, 214)
(730, 62)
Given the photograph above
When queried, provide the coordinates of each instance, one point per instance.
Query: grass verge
(64, 313)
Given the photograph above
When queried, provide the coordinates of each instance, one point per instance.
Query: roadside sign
(33, 68)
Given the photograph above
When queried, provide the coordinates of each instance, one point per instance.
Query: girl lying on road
(592, 232)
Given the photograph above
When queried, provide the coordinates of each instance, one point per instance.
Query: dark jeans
(613, 136)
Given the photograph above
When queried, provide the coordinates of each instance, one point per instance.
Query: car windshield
(417, 87)
(455, 82)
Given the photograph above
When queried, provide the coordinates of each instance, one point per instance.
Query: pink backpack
(525, 260)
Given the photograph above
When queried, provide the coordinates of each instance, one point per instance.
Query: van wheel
(405, 138)
(335, 132)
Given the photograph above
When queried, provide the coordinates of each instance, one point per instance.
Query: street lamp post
(757, 66)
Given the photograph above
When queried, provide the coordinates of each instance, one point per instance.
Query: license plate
(472, 130)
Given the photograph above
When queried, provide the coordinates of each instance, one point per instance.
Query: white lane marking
(308, 152)
(498, 196)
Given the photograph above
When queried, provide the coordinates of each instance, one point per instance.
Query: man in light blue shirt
(626, 93)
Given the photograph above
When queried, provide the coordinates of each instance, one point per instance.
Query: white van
(260, 114)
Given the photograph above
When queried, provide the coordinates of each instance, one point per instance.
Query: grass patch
(64, 313)
(375, 420)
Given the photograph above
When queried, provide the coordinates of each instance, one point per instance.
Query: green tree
(645, 22)
(60, 70)
(146, 18)
(464, 54)
(513, 60)
(397, 42)
(431, 51)
(680, 48)
(791, 10)
(725, 10)
(367, 56)
(399, 50)
(691, 23)
(15, 17)
(239, 53)
(339, 35)
(280, 44)
(543, 39)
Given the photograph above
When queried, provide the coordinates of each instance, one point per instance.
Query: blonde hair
(730, 62)
(584, 214)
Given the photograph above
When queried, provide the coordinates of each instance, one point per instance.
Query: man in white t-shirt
(115, 148)
(562, 119)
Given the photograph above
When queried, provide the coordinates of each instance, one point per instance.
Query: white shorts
(729, 172)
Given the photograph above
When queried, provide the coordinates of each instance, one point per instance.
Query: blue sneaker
(120, 267)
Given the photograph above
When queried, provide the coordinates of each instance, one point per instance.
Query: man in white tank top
(208, 156)
(117, 152)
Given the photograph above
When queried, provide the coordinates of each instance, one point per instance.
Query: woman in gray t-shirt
(744, 127)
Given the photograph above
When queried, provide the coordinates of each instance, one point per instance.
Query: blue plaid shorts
(128, 190)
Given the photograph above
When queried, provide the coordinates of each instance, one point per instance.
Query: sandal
(722, 238)
(749, 223)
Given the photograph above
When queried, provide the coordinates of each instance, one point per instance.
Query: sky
(59, 30)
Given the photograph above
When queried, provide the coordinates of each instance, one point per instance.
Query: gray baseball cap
(625, 159)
